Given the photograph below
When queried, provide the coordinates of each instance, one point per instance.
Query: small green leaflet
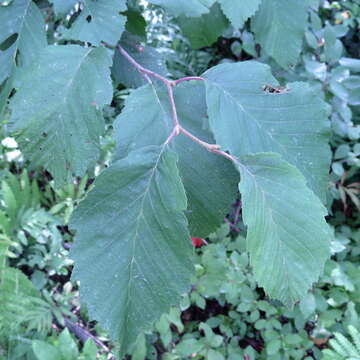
(239, 11)
(247, 118)
(58, 122)
(204, 30)
(288, 237)
(191, 8)
(22, 29)
(210, 181)
(133, 254)
(279, 27)
(99, 21)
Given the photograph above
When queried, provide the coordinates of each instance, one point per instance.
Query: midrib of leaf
(68, 86)
(165, 113)
(135, 238)
(237, 102)
(270, 210)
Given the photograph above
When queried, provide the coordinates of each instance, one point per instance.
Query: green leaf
(63, 6)
(22, 29)
(239, 11)
(136, 24)
(147, 56)
(247, 119)
(191, 8)
(288, 238)
(45, 351)
(308, 305)
(352, 64)
(133, 250)
(188, 347)
(59, 121)
(209, 180)
(99, 21)
(279, 27)
(67, 346)
(204, 30)
(89, 350)
(214, 355)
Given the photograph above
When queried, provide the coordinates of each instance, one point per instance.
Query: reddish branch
(178, 129)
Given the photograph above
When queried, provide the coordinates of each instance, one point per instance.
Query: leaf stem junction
(170, 84)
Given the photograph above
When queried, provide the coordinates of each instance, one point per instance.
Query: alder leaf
(63, 6)
(204, 30)
(58, 122)
(248, 116)
(191, 8)
(210, 181)
(288, 237)
(99, 21)
(133, 253)
(279, 28)
(22, 30)
(239, 11)
(147, 56)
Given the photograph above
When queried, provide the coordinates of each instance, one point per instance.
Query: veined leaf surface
(133, 250)
(279, 27)
(99, 21)
(63, 6)
(61, 128)
(248, 115)
(22, 29)
(288, 237)
(239, 11)
(192, 8)
(209, 180)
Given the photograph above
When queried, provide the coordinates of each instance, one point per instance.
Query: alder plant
(184, 148)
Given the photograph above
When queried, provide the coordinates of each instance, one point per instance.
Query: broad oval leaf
(239, 11)
(249, 114)
(61, 128)
(133, 251)
(191, 8)
(63, 6)
(204, 30)
(209, 180)
(279, 27)
(22, 29)
(288, 237)
(99, 21)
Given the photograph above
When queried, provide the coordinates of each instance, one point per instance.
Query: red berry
(197, 242)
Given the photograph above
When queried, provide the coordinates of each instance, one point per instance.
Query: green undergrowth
(225, 316)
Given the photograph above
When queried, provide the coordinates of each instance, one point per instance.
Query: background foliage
(225, 316)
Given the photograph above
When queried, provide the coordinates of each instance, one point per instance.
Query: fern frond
(22, 309)
(349, 348)
(331, 355)
(343, 348)
(355, 335)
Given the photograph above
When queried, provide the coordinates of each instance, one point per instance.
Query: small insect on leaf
(275, 90)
